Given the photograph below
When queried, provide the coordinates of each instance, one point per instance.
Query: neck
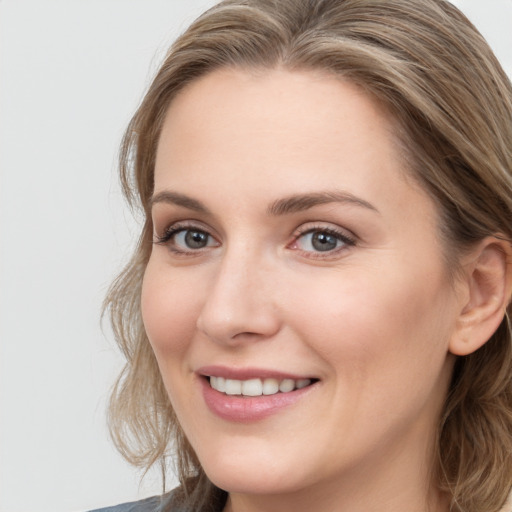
(341, 498)
(307, 502)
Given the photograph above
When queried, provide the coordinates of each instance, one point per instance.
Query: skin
(372, 319)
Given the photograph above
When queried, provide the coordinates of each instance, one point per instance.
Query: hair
(452, 102)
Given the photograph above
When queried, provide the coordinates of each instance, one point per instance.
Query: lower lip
(241, 409)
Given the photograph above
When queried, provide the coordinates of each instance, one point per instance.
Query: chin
(235, 475)
(251, 482)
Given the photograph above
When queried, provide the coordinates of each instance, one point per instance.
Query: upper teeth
(256, 387)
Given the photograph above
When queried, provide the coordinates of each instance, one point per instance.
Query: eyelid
(177, 225)
(327, 227)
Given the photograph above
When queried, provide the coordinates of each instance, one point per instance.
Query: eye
(192, 239)
(186, 239)
(322, 240)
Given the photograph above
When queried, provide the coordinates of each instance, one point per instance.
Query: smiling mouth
(257, 387)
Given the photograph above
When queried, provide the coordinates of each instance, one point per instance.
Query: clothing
(161, 503)
(153, 504)
(169, 502)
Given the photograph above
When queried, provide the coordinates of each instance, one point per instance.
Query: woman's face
(292, 251)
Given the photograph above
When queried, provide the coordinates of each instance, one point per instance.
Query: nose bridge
(239, 304)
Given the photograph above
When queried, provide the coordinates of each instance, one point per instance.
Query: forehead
(228, 107)
(276, 130)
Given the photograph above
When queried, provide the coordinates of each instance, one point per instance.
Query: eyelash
(348, 241)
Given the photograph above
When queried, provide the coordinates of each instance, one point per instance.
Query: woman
(317, 316)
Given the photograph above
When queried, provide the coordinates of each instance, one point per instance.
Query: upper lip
(247, 373)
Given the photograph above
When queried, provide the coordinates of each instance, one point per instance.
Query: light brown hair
(428, 65)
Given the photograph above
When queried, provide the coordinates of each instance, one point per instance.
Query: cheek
(384, 341)
(376, 318)
(169, 311)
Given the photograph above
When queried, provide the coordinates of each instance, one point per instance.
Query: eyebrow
(178, 199)
(291, 204)
(301, 202)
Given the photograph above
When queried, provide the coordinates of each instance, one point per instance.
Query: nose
(240, 305)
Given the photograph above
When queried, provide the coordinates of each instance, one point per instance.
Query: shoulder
(153, 504)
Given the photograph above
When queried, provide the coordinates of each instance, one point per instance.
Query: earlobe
(488, 275)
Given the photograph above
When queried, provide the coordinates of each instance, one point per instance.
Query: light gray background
(72, 73)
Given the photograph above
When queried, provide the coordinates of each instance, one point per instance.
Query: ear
(488, 282)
